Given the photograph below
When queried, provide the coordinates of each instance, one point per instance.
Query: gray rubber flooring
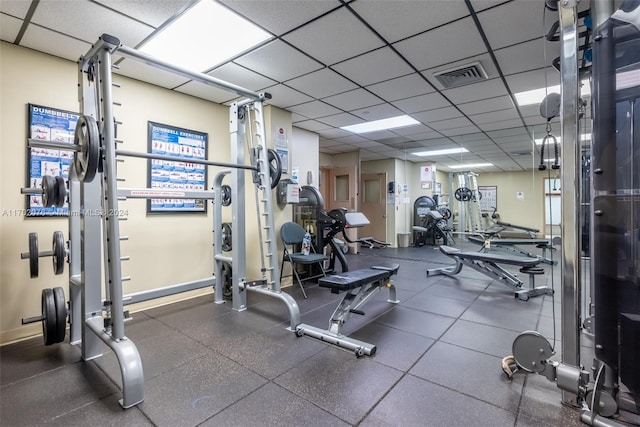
(438, 361)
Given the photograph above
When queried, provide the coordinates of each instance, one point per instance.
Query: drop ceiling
(333, 63)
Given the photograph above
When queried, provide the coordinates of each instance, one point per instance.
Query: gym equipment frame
(94, 239)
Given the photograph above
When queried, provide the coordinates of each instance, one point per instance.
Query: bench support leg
(525, 294)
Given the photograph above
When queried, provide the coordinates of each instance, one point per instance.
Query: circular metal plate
(531, 351)
(61, 314)
(227, 244)
(550, 106)
(49, 323)
(226, 195)
(33, 255)
(59, 252)
(49, 191)
(463, 194)
(87, 136)
(446, 213)
(227, 284)
(339, 216)
(61, 192)
(275, 167)
(606, 405)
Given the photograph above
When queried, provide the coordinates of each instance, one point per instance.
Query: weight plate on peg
(340, 218)
(446, 213)
(463, 194)
(226, 195)
(227, 283)
(33, 255)
(86, 160)
(59, 252)
(476, 195)
(61, 192)
(49, 323)
(61, 314)
(49, 191)
(226, 237)
(275, 167)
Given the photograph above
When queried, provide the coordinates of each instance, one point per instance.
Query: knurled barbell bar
(53, 190)
(53, 317)
(58, 254)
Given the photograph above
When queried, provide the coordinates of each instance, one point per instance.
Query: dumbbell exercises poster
(48, 124)
(176, 177)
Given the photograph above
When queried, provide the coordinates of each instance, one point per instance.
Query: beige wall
(164, 249)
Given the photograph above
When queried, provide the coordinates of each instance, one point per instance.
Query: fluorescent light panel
(535, 96)
(472, 165)
(204, 36)
(441, 152)
(383, 124)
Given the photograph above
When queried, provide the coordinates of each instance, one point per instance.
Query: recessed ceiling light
(441, 152)
(535, 96)
(204, 36)
(383, 124)
(472, 165)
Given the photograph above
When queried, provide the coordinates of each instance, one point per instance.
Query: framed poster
(176, 142)
(48, 124)
(284, 159)
(489, 200)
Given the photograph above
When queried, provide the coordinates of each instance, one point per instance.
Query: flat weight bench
(360, 286)
(513, 245)
(488, 264)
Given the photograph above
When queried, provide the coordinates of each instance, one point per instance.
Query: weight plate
(49, 325)
(226, 195)
(59, 252)
(476, 195)
(227, 283)
(340, 218)
(86, 160)
(446, 213)
(61, 314)
(531, 351)
(275, 167)
(49, 191)
(61, 192)
(227, 243)
(33, 255)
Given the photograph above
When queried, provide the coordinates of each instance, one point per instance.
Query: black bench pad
(357, 278)
(498, 259)
(480, 241)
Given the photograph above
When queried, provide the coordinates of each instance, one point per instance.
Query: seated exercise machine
(357, 220)
(488, 264)
(434, 224)
(513, 246)
(360, 286)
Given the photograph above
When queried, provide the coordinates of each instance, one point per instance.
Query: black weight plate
(340, 219)
(34, 261)
(49, 324)
(49, 191)
(275, 167)
(227, 284)
(446, 213)
(87, 136)
(61, 314)
(227, 242)
(61, 192)
(226, 195)
(58, 252)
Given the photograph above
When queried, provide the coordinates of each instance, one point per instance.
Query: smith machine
(94, 194)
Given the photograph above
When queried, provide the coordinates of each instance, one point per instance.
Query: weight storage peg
(53, 190)
(53, 317)
(58, 253)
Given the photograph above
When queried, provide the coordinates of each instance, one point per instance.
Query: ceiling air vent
(464, 75)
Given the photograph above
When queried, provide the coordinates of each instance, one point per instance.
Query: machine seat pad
(420, 229)
(354, 279)
(491, 257)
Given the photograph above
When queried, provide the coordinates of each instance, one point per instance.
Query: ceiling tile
(514, 131)
(86, 21)
(353, 99)
(476, 138)
(459, 130)
(283, 96)
(426, 102)
(43, 40)
(533, 79)
(425, 136)
(503, 32)
(451, 123)
(494, 116)
(366, 69)
(297, 118)
(15, 8)
(395, 20)
(479, 5)
(334, 37)
(311, 125)
(234, 73)
(140, 71)
(268, 60)
(376, 112)
(501, 125)
(333, 133)
(314, 109)
(369, 145)
(476, 91)
(321, 83)
(442, 45)
(9, 27)
(412, 130)
(369, 155)
(437, 115)
(342, 119)
(201, 90)
(486, 105)
(527, 56)
(377, 135)
(280, 16)
(401, 87)
(353, 139)
(151, 12)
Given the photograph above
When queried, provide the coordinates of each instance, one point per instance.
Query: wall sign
(489, 200)
(180, 174)
(48, 124)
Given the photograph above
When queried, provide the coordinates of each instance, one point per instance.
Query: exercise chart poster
(49, 124)
(177, 175)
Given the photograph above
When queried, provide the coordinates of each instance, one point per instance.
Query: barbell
(58, 253)
(53, 190)
(53, 317)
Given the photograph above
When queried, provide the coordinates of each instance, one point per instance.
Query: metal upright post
(570, 181)
(237, 117)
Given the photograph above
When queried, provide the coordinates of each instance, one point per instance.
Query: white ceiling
(339, 62)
